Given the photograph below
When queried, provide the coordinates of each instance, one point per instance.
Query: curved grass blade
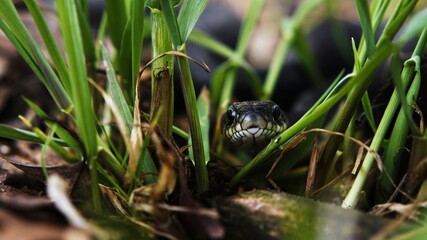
(64, 154)
(61, 132)
(223, 50)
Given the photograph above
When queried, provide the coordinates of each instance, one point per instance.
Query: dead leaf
(58, 191)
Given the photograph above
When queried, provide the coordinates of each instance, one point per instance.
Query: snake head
(252, 124)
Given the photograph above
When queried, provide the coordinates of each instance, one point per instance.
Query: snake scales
(252, 124)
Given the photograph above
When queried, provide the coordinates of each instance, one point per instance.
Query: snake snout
(253, 121)
(252, 124)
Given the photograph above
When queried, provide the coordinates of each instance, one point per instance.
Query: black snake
(252, 124)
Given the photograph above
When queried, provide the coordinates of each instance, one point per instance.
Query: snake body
(252, 124)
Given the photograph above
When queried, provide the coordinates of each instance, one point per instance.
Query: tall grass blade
(116, 18)
(315, 114)
(50, 43)
(282, 49)
(414, 27)
(12, 25)
(203, 105)
(114, 90)
(365, 21)
(84, 113)
(188, 16)
(172, 23)
(87, 39)
(137, 33)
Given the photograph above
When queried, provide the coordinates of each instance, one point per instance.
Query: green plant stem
(223, 50)
(249, 25)
(226, 90)
(162, 74)
(84, 113)
(202, 181)
(353, 196)
(171, 21)
(401, 12)
(116, 17)
(407, 75)
(288, 36)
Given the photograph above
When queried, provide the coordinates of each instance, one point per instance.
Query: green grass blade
(172, 23)
(211, 44)
(146, 165)
(392, 156)
(19, 134)
(188, 16)
(248, 26)
(61, 132)
(401, 12)
(88, 44)
(162, 90)
(100, 37)
(20, 48)
(12, 25)
(113, 88)
(367, 108)
(406, 76)
(49, 41)
(318, 112)
(137, 34)
(217, 82)
(365, 22)
(203, 103)
(64, 154)
(85, 118)
(242, 44)
(125, 62)
(414, 26)
(202, 181)
(305, 54)
(410, 69)
(378, 8)
(357, 65)
(84, 113)
(130, 53)
(223, 50)
(353, 196)
(283, 47)
(117, 18)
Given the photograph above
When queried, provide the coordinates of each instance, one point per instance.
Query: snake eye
(231, 115)
(276, 113)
